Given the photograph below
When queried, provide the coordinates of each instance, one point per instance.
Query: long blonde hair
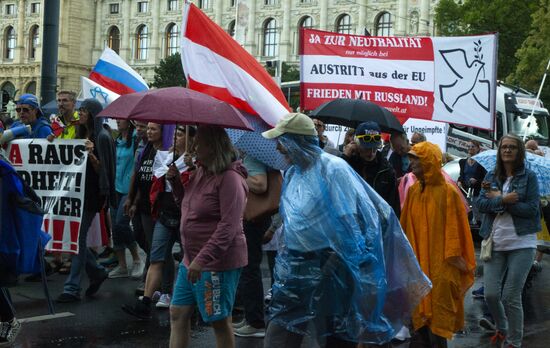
(222, 148)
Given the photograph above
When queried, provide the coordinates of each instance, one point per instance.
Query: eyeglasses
(508, 147)
(23, 109)
(367, 138)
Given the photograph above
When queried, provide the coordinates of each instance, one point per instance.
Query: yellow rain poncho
(436, 223)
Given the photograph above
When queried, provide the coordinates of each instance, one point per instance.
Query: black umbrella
(352, 112)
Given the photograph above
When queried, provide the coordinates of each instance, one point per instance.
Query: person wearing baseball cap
(334, 265)
(364, 157)
(29, 113)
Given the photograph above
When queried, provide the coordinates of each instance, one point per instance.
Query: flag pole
(536, 101)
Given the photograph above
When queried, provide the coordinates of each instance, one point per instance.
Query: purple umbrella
(176, 105)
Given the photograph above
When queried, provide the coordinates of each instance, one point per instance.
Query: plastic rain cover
(345, 268)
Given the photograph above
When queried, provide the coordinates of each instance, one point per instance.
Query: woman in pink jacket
(212, 206)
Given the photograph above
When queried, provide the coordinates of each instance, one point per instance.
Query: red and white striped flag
(217, 65)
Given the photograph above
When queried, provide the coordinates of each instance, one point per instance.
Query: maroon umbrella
(176, 105)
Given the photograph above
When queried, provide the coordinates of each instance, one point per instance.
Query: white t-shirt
(504, 233)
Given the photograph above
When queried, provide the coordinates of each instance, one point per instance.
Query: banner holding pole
(57, 172)
(447, 79)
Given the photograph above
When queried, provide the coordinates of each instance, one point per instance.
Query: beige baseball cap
(293, 123)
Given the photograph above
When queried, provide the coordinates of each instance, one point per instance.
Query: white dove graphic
(466, 77)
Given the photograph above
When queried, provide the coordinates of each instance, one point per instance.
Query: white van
(514, 106)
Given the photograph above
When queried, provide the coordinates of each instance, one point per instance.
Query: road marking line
(46, 317)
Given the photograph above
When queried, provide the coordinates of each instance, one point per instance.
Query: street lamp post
(50, 42)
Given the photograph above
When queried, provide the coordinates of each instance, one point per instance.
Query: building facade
(145, 31)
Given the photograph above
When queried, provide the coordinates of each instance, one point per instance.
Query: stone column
(285, 45)
(155, 35)
(250, 43)
(323, 15)
(401, 20)
(19, 54)
(362, 20)
(126, 32)
(100, 39)
(218, 12)
(424, 25)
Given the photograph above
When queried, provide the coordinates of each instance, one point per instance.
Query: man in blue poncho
(346, 272)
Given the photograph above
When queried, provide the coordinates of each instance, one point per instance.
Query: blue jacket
(525, 213)
(40, 129)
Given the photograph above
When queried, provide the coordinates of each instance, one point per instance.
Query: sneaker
(137, 269)
(250, 331)
(9, 331)
(139, 310)
(164, 301)
(95, 284)
(239, 324)
(479, 293)
(487, 324)
(154, 299)
(118, 272)
(67, 298)
(498, 340)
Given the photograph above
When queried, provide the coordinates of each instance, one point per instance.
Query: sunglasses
(367, 138)
(23, 109)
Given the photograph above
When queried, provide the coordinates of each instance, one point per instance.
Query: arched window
(304, 22)
(142, 42)
(271, 38)
(7, 90)
(9, 39)
(172, 35)
(343, 24)
(114, 39)
(384, 25)
(33, 41)
(31, 88)
(231, 29)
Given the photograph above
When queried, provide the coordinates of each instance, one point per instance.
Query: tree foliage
(534, 54)
(290, 73)
(511, 19)
(169, 72)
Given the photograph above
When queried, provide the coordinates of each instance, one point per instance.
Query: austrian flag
(215, 64)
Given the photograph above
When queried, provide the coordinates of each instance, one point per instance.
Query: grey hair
(222, 148)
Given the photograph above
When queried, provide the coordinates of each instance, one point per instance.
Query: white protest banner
(57, 172)
(450, 79)
(435, 132)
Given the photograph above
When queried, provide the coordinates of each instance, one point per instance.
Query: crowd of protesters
(369, 244)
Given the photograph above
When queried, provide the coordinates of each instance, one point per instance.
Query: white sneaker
(137, 269)
(249, 331)
(118, 272)
(164, 301)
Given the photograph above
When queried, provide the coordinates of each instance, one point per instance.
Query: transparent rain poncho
(345, 268)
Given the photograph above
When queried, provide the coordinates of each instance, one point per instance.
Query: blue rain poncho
(345, 268)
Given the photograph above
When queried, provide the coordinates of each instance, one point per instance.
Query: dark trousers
(277, 336)
(250, 284)
(425, 338)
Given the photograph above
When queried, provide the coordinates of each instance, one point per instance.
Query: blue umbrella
(538, 164)
(255, 145)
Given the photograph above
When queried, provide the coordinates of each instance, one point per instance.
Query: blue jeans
(506, 308)
(85, 259)
(123, 236)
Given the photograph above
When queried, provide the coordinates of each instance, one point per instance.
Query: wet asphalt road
(99, 322)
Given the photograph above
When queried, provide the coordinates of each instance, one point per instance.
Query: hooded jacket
(436, 223)
(106, 151)
(211, 222)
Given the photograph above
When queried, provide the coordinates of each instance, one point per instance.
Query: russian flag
(112, 72)
(217, 65)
